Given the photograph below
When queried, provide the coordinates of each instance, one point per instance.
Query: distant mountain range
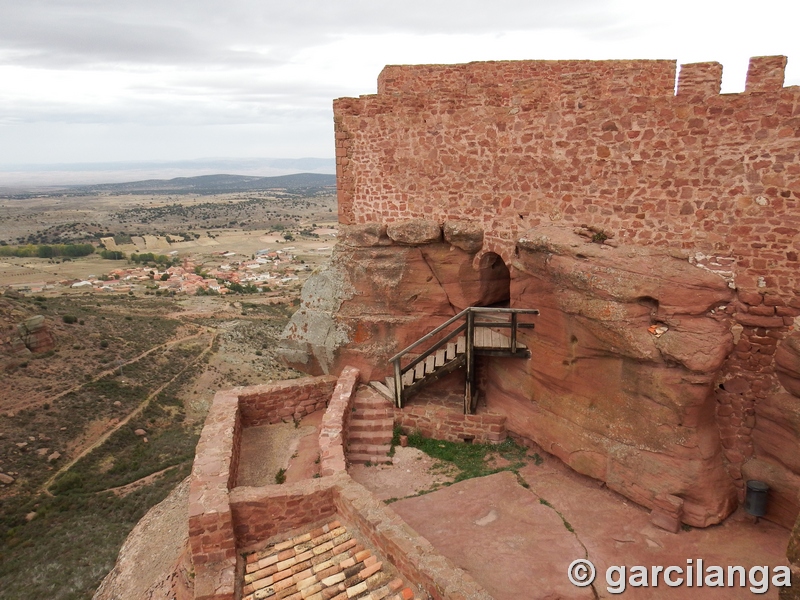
(205, 184)
(22, 178)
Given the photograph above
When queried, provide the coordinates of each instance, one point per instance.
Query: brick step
(370, 437)
(365, 447)
(385, 424)
(371, 413)
(375, 459)
(370, 403)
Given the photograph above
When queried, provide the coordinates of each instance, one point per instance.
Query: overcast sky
(143, 80)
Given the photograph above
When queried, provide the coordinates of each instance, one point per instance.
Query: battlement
(590, 78)
(600, 78)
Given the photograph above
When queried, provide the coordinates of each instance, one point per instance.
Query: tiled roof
(323, 564)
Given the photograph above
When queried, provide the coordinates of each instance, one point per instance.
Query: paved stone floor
(518, 542)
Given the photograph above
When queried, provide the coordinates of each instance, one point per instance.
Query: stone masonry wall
(513, 146)
(443, 423)
(284, 401)
(262, 512)
(212, 536)
(225, 521)
(333, 431)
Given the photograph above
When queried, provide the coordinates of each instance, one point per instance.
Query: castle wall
(623, 148)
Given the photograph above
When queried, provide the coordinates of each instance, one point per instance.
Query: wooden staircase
(455, 349)
(370, 428)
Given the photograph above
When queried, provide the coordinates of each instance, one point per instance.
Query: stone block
(414, 232)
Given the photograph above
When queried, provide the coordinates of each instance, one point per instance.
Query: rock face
(154, 562)
(793, 554)
(775, 433)
(378, 296)
(626, 352)
(625, 355)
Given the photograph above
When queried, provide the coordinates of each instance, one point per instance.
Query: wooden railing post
(398, 384)
(470, 363)
(513, 332)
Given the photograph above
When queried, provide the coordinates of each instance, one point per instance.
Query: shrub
(69, 319)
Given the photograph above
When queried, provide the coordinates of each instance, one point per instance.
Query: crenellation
(700, 80)
(765, 73)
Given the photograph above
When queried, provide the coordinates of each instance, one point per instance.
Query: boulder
(414, 232)
(466, 235)
(36, 335)
(364, 235)
(6, 479)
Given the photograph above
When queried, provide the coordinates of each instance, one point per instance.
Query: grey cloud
(91, 32)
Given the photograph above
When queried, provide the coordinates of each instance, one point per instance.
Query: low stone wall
(333, 433)
(410, 553)
(211, 526)
(225, 521)
(259, 513)
(284, 401)
(445, 424)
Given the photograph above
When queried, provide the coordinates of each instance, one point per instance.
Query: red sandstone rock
(414, 232)
(601, 392)
(364, 235)
(35, 335)
(787, 364)
(466, 235)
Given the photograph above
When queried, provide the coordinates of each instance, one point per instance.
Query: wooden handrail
(468, 327)
(428, 336)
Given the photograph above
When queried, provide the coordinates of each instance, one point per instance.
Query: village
(265, 270)
(235, 261)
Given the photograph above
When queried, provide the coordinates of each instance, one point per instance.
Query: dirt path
(107, 372)
(124, 490)
(101, 439)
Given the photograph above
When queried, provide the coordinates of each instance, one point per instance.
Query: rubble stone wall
(444, 424)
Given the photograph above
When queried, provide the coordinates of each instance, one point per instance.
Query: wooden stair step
(439, 358)
(450, 351)
(419, 371)
(382, 389)
(430, 364)
(461, 344)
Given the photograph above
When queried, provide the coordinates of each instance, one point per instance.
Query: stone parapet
(289, 400)
(333, 433)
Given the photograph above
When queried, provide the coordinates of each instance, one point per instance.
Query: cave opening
(494, 282)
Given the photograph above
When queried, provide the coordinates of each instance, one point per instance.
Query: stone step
(376, 401)
(375, 459)
(361, 447)
(382, 424)
(370, 437)
(371, 413)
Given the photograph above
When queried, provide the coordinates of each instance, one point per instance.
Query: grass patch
(280, 476)
(567, 524)
(471, 460)
(73, 541)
